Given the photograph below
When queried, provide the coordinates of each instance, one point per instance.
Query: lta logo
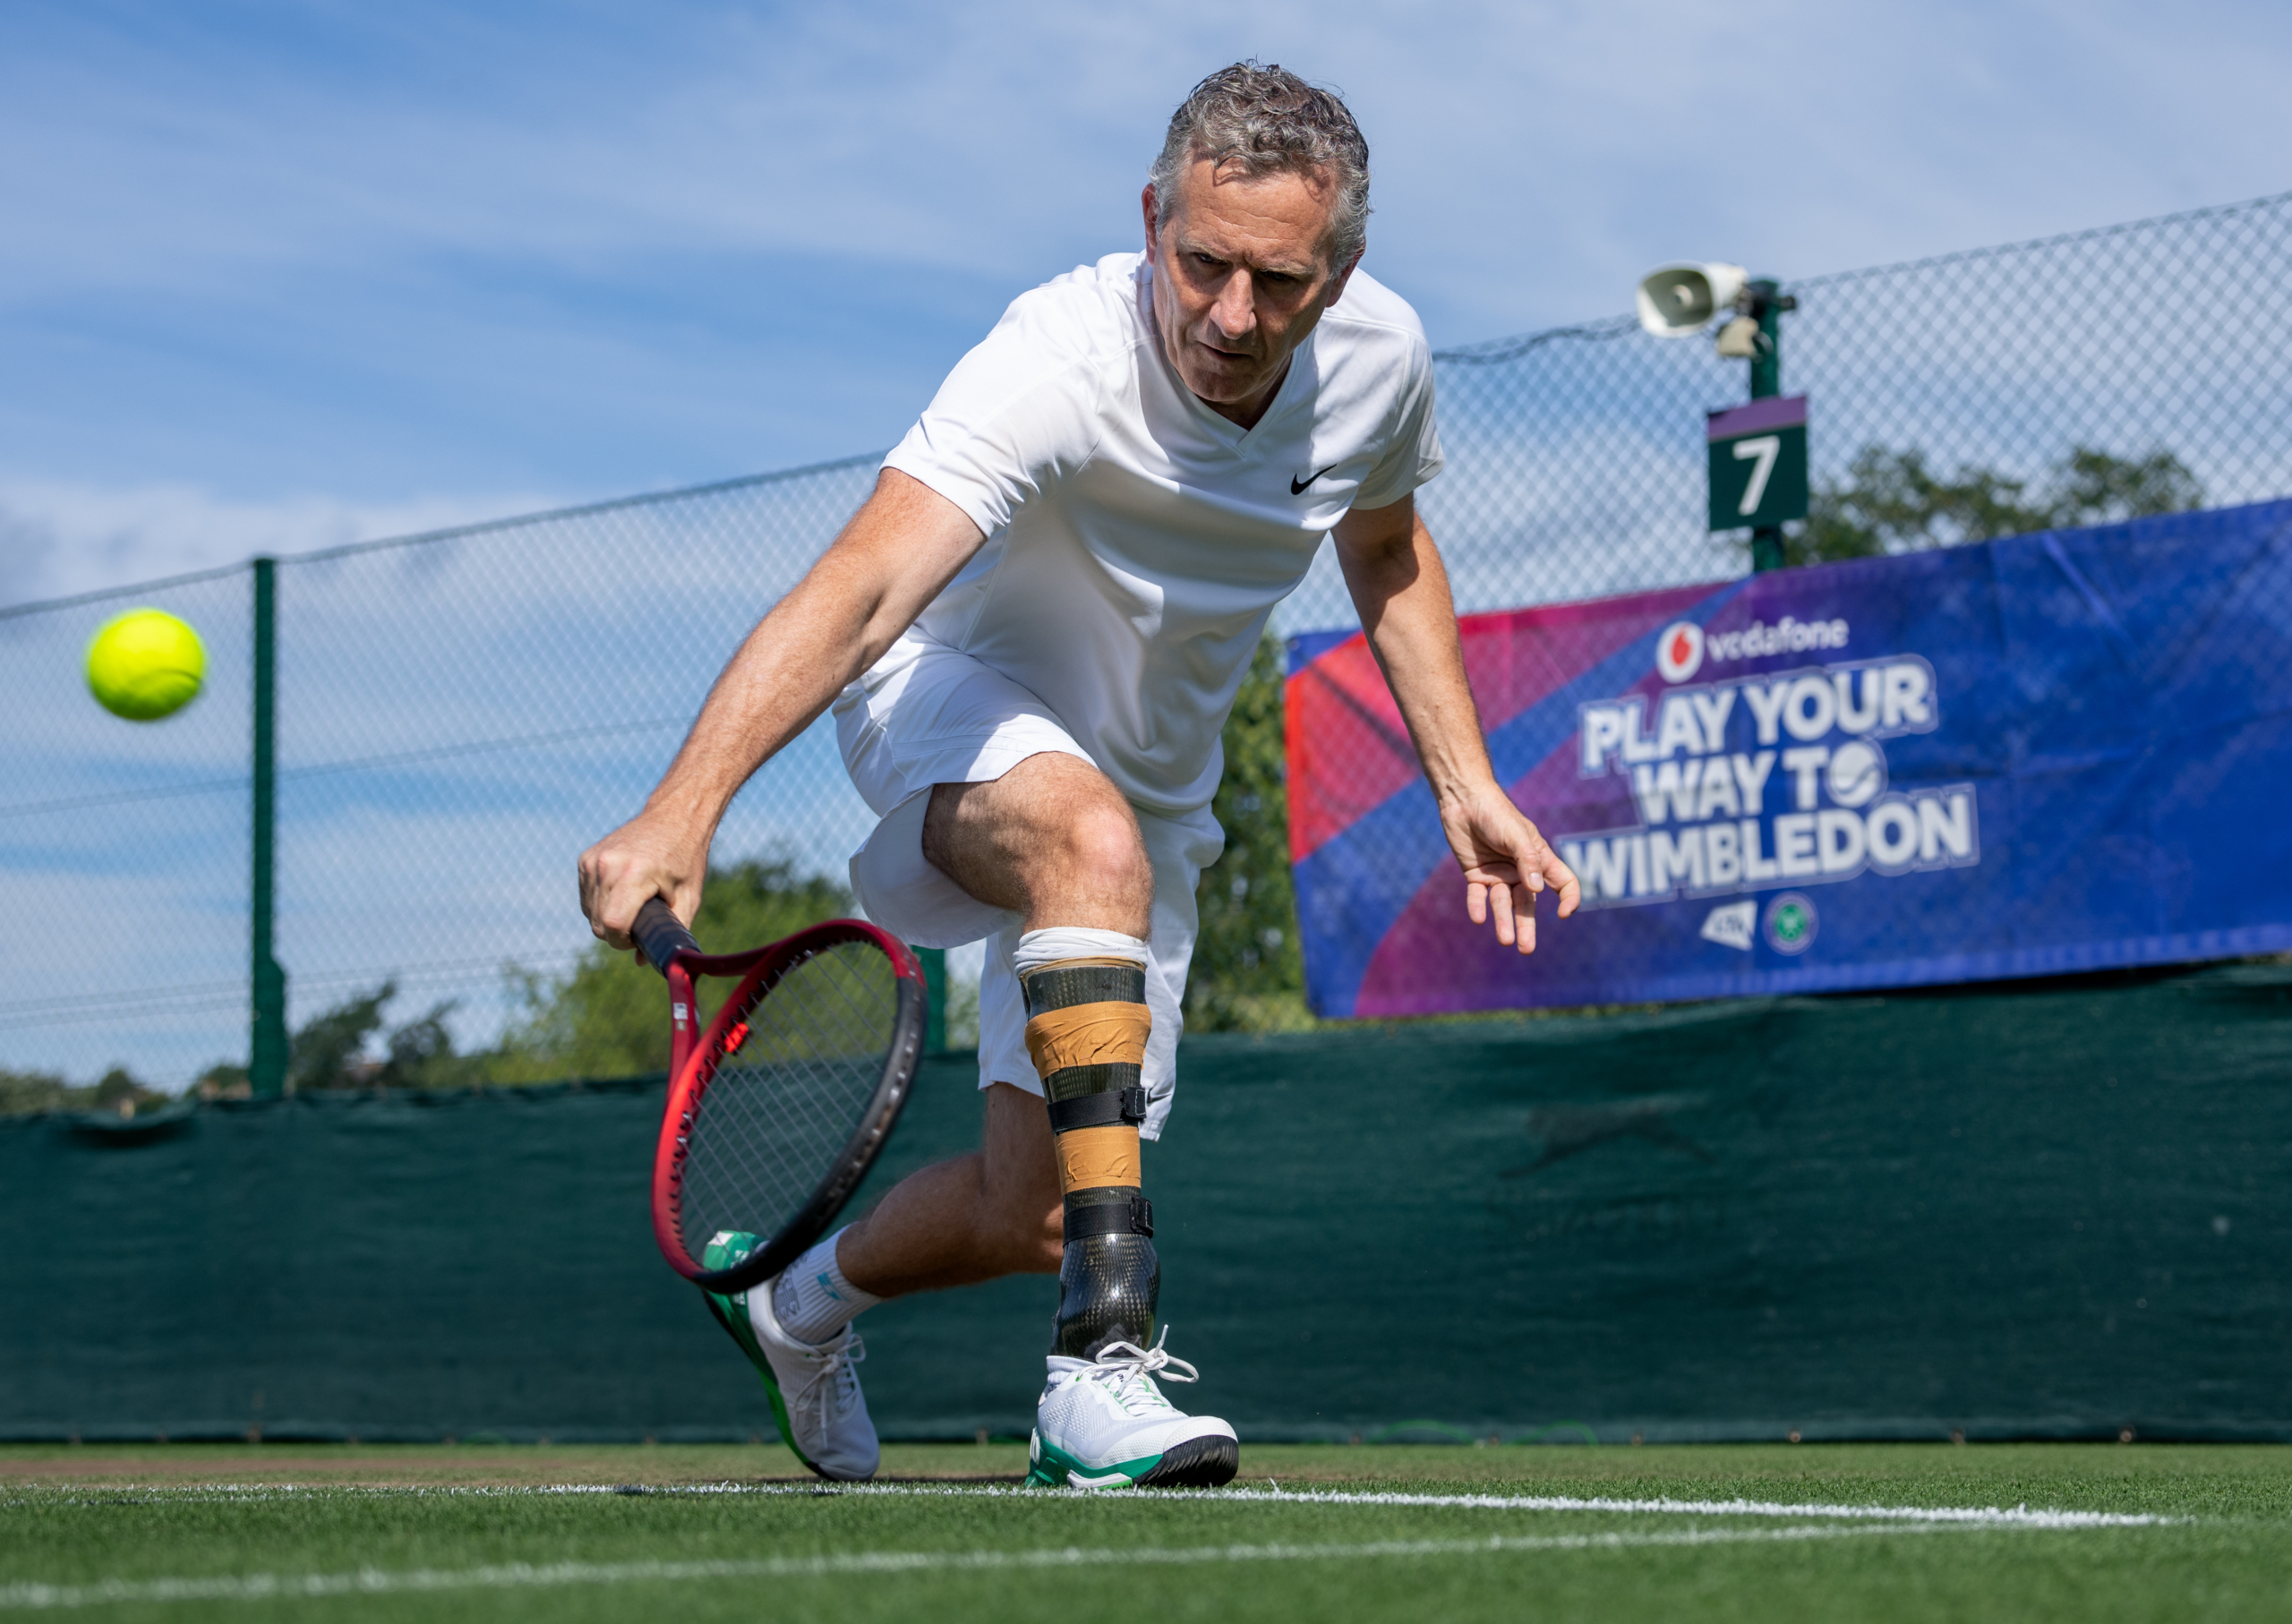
(1678, 651)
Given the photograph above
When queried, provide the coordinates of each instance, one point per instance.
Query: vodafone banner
(2055, 753)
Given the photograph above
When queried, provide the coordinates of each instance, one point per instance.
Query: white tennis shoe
(1103, 1424)
(822, 1411)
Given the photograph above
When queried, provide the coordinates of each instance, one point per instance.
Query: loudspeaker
(1679, 301)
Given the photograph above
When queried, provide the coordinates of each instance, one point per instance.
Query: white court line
(269, 1586)
(2013, 1517)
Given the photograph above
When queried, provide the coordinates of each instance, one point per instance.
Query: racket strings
(778, 1113)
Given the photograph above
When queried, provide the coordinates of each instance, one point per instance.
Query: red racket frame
(692, 1068)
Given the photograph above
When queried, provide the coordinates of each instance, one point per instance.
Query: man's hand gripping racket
(779, 1108)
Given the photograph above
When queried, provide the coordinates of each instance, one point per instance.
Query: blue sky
(278, 275)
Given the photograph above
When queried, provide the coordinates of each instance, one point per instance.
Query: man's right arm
(905, 543)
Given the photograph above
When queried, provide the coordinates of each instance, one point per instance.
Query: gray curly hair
(1265, 118)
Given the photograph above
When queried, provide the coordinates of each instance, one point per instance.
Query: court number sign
(1758, 463)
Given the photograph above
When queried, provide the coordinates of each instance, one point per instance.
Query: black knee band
(1081, 1081)
(1098, 1110)
(1113, 1210)
(1064, 986)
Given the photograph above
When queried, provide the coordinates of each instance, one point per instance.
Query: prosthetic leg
(1086, 1030)
(1102, 1422)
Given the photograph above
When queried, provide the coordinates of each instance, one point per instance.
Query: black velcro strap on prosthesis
(1098, 1110)
(1134, 1215)
(1062, 987)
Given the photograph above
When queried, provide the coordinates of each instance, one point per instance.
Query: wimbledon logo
(1678, 651)
(1791, 923)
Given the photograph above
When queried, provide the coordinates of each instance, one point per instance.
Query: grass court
(1765, 1532)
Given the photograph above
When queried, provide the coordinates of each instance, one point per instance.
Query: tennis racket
(777, 1110)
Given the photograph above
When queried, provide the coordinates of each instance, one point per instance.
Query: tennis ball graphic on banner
(145, 664)
(1856, 773)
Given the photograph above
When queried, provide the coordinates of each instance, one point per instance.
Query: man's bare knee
(1089, 848)
(1101, 850)
(1052, 839)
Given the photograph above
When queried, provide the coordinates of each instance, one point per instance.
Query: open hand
(1506, 863)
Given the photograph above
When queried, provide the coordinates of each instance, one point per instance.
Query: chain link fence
(460, 713)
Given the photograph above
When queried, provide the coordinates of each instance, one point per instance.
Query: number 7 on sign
(1765, 448)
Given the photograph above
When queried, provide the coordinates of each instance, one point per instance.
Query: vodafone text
(1705, 768)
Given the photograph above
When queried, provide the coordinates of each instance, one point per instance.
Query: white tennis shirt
(1136, 540)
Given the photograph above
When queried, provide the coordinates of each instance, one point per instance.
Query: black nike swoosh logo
(1298, 486)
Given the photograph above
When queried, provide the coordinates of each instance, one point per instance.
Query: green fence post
(935, 1001)
(1767, 381)
(267, 1034)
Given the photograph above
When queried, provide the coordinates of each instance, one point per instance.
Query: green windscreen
(2047, 1210)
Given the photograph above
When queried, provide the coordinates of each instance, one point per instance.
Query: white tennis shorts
(947, 718)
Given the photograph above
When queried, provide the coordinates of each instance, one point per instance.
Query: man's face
(1241, 274)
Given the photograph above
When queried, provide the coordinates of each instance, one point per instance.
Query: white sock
(1038, 948)
(813, 1301)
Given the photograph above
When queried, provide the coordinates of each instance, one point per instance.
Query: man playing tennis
(1032, 634)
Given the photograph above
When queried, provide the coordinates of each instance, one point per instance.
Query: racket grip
(661, 936)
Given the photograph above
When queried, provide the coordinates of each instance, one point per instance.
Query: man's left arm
(1401, 591)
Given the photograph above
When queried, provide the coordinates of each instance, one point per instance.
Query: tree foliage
(118, 1092)
(1248, 973)
(329, 1051)
(326, 1051)
(608, 1017)
(1891, 501)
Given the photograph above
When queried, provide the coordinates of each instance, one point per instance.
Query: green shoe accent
(731, 1312)
(1049, 1467)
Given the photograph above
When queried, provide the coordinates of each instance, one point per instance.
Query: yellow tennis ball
(145, 664)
